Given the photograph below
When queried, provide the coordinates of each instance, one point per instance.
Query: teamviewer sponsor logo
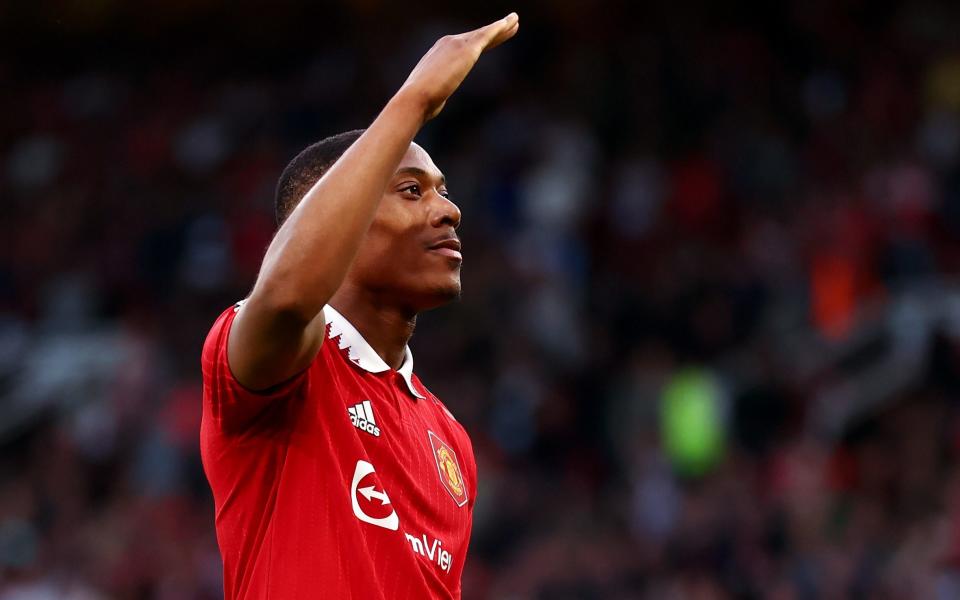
(432, 550)
(361, 415)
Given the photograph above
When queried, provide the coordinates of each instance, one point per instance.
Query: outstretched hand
(444, 67)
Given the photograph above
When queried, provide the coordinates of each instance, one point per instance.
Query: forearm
(280, 329)
(309, 257)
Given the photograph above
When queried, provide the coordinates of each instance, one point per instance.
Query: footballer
(335, 472)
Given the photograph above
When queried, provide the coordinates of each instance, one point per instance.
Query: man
(335, 472)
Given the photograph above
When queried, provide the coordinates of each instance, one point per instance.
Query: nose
(445, 212)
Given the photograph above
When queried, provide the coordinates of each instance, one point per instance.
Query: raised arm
(281, 326)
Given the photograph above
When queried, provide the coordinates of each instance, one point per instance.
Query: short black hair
(307, 168)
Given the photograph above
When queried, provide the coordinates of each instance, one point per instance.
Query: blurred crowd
(684, 228)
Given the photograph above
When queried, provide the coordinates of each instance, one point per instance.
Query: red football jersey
(351, 480)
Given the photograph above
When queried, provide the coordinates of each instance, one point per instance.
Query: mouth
(449, 247)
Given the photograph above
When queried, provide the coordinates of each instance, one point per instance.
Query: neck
(386, 327)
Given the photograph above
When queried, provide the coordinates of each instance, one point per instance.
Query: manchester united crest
(449, 468)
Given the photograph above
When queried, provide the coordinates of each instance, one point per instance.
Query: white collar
(362, 353)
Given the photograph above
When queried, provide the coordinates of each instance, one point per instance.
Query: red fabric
(282, 467)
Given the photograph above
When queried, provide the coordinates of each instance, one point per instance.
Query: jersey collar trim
(362, 353)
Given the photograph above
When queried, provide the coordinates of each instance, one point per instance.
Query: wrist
(411, 102)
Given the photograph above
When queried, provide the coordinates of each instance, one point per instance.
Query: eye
(412, 188)
(445, 194)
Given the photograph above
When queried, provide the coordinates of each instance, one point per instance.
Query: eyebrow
(420, 173)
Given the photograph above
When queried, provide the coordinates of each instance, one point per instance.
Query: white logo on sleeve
(361, 415)
(373, 498)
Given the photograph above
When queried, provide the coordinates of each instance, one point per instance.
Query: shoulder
(229, 404)
(448, 422)
(432, 398)
(217, 335)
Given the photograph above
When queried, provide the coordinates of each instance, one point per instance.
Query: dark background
(710, 334)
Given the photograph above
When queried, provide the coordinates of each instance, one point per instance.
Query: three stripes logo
(361, 415)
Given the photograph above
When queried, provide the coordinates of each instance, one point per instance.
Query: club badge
(449, 468)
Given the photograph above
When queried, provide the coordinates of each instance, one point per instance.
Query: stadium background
(708, 346)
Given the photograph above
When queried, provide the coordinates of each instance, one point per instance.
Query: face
(411, 253)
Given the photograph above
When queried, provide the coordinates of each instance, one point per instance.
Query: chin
(439, 295)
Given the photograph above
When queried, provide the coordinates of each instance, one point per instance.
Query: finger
(496, 31)
(503, 36)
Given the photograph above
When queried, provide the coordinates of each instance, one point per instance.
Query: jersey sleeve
(227, 401)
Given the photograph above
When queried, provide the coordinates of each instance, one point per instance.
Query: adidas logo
(361, 415)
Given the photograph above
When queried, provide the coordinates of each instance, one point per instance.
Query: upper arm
(267, 347)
